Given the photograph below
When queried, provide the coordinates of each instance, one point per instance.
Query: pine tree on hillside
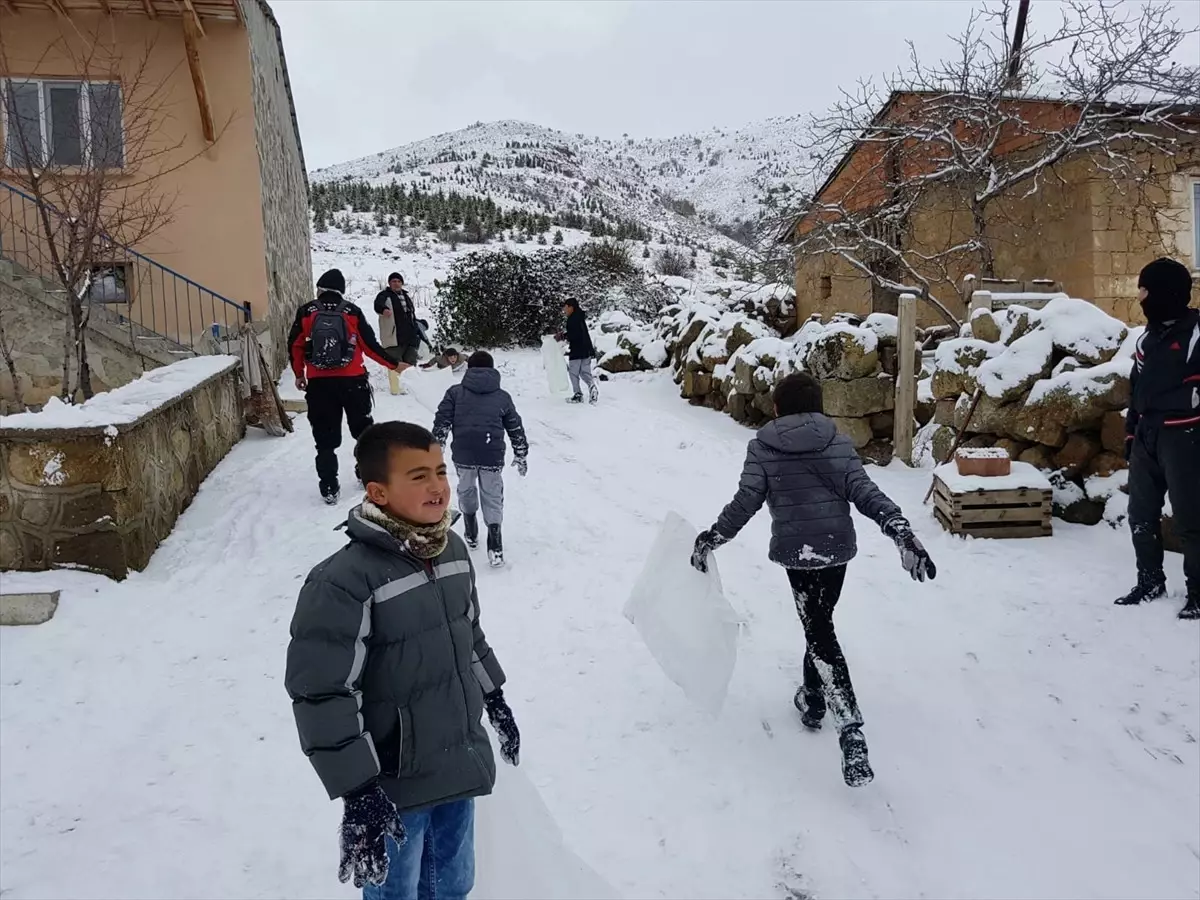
(558, 237)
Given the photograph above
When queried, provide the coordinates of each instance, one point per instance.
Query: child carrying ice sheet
(808, 474)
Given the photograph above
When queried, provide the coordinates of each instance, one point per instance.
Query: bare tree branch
(1102, 88)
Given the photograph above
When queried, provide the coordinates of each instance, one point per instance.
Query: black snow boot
(330, 492)
(856, 768)
(812, 707)
(578, 398)
(495, 546)
(1150, 586)
(471, 530)
(1191, 609)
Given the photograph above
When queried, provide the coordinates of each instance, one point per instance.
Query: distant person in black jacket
(476, 414)
(1162, 432)
(399, 331)
(581, 352)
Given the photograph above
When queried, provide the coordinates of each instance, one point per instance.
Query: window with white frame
(1196, 225)
(62, 123)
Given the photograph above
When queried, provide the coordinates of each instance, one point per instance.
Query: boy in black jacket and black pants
(1162, 432)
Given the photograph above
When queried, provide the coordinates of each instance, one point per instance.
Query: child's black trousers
(826, 675)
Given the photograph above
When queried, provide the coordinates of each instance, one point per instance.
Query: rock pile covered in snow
(1053, 382)
(727, 354)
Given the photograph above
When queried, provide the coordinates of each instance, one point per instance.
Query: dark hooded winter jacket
(808, 474)
(477, 413)
(387, 669)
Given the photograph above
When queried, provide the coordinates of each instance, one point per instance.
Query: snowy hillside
(681, 186)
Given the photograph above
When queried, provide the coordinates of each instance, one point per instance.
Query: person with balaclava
(1162, 432)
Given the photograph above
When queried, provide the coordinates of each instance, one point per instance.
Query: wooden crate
(1016, 513)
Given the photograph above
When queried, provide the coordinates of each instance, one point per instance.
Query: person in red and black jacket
(1162, 432)
(327, 343)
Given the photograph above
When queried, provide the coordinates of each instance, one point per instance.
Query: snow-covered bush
(501, 299)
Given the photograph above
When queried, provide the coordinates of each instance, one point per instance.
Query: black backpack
(330, 346)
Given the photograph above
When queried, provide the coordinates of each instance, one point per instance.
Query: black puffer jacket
(477, 413)
(387, 669)
(808, 474)
(578, 338)
(1165, 378)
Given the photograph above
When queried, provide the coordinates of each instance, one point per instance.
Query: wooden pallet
(1018, 513)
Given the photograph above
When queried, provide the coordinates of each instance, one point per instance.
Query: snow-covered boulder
(1079, 399)
(616, 321)
(1081, 329)
(843, 352)
(1009, 375)
(954, 364)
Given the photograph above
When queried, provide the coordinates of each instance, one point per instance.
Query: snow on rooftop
(127, 404)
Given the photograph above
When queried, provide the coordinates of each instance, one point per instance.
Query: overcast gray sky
(369, 75)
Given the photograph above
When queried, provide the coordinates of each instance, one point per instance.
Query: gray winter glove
(369, 817)
(706, 542)
(913, 555)
(521, 464)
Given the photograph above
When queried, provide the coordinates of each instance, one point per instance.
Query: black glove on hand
(522, 466)
(1128, 447)
(706, 542)
(502, 720)
(368, 817)
(913, 555)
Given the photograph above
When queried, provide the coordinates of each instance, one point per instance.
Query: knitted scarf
(422, 541)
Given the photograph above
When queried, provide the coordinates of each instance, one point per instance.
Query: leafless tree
(6, 353)
(99, 182)
(965, 138)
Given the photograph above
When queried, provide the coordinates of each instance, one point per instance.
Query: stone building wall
(286, 230)
(34, 323)
(104, 498)
(1079, 231)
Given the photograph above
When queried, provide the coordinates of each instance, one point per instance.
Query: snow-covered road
(1029, 739)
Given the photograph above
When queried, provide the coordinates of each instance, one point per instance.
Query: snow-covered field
(1029, 738)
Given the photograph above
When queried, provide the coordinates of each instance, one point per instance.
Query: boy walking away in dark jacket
(399, 332)
(327, 343)
(808, 474)
(477, 413)
(580, 352)
(1162, 432)
(389, 671)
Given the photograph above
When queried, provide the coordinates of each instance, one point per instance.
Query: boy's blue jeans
(437, 862)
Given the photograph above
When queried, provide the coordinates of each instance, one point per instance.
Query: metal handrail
(150, 305)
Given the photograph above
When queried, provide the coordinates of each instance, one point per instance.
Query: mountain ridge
(689, 187)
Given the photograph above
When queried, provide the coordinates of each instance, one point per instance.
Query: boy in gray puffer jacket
(808, 474)
(389, 673)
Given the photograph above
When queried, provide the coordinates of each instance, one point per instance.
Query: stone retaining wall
(103, 498)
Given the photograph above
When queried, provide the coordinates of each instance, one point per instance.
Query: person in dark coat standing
(328, 340)
(580, 352)
(389, 673)
(399, 331)
(477, 413)
(1162, 432)
(808, 474)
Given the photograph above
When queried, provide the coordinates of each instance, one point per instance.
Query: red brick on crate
(987, 462)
